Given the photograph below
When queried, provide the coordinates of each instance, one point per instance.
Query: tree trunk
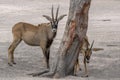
(75, 31)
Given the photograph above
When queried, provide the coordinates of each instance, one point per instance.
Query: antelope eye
(51, 23)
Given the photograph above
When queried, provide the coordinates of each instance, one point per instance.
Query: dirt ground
(104, 28)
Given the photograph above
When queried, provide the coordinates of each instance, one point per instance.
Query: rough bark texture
(76, 29)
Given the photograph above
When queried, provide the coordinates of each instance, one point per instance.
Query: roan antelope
(41, 35)
(87, 52)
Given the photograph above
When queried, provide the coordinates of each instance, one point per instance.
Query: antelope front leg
(45, 53)
(46, 59)
(86, 71)
(47, 56)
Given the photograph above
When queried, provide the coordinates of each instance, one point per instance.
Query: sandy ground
(104, 28)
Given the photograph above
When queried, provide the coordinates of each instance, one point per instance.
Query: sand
(104, 28)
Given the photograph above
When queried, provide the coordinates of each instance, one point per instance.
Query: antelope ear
(97, 49)
(48, 18)
(61, 17)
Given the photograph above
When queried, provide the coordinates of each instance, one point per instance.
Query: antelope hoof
(75, 74)
(86, 75)
(14, 62)
(80, 69)
(10, 64)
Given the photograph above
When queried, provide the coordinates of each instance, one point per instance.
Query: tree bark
(75, 31)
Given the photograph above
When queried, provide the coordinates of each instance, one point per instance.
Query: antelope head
(88, 52)
(54, 20)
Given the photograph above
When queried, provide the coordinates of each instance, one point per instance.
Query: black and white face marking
(88, 55)
(54, 25)
(54, 20)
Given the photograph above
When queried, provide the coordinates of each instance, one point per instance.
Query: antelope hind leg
(11, 51)
(77, 67)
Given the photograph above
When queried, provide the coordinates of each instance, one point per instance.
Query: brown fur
(32, 35)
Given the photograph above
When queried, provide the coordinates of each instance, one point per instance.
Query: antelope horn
(57, 12)
(52, 13)
(92, 45)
